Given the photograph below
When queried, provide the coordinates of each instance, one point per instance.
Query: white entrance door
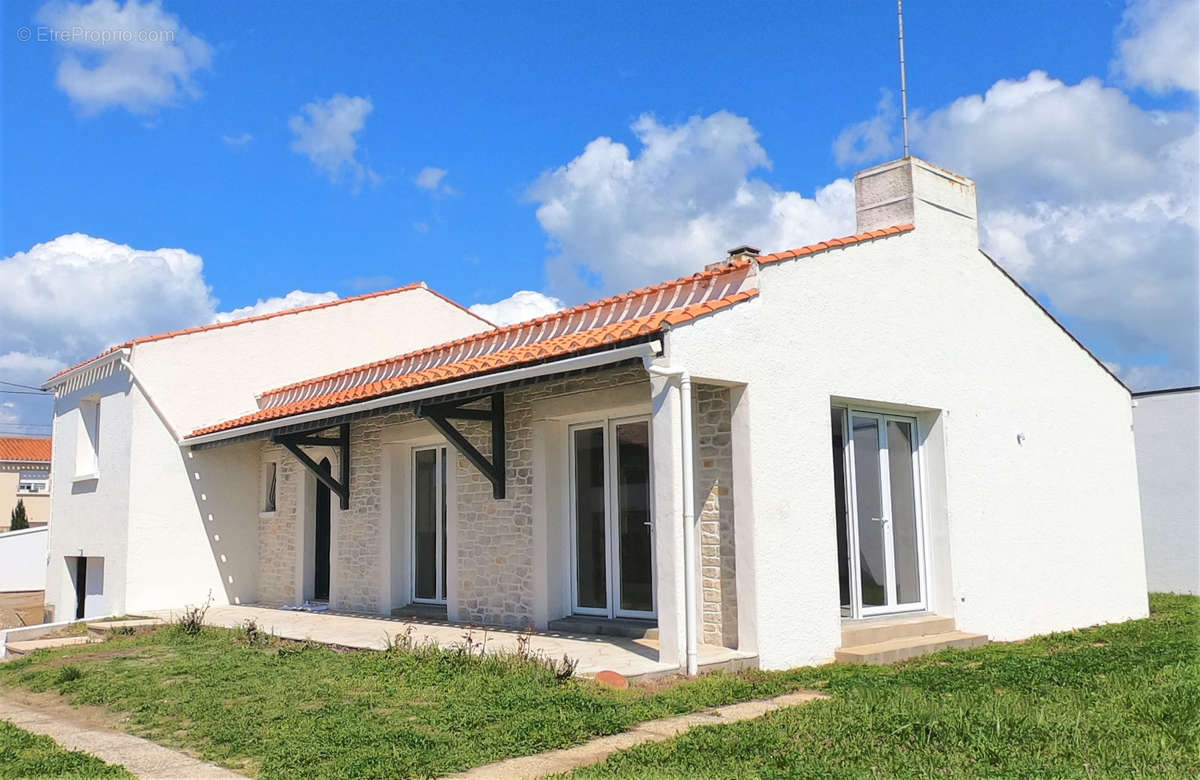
(611, 529)
(885, 552)
(429, 525)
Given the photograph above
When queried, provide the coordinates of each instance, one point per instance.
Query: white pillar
(668, 530)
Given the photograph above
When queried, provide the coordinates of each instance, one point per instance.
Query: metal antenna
(903, 81)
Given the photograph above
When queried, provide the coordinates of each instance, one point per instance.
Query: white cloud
(617, 221)
(1091, 201)
(293, 300)
(871, 139)
(325, 133)
(429, 178)
(1158, 45)
(238, 141)
(136, 56)
(518, 307)
(73, 297)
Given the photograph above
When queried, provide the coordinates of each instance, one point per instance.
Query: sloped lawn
(1114, 701)
(31, 755)
(284, 709)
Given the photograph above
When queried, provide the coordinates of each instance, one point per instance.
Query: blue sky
(215, 153)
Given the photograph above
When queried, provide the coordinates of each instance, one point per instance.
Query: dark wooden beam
(293, 442)
(439, 416)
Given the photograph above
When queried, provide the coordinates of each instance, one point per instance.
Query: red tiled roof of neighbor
(25, 448)
(259, 317)
(632, 315)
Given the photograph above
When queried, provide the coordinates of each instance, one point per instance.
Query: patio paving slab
(633, 658)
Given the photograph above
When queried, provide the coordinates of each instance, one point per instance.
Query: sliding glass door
(611, 528)
(881, 534)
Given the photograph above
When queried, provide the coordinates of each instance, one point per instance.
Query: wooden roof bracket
(440, 415)
(292, 442)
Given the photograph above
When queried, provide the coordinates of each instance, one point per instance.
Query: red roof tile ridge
(516, 327)
(25, 449)
(832, 243)
(513, 357)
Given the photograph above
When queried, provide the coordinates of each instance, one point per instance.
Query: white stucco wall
(214, 375)
(1167, 431)
(23, 559)
(88, 517)
(1034, 537)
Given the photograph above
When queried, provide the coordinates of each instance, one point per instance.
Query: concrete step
(29, 645)
(892, 650)
(627, 627)
(872, 630)
(101, 628)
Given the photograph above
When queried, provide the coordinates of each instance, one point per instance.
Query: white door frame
(441, 480)
(608, 426)
(858, 609)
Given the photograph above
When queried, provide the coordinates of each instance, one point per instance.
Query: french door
(612, 533)
(429, 525)
(884, 535)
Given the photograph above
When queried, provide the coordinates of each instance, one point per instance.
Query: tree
(19, 520)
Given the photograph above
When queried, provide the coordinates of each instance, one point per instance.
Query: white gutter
(125, 364)
(690, 600)
(643, 351)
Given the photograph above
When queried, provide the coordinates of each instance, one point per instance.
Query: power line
(26, 392)
(24, 387)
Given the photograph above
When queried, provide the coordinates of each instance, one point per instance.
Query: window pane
(591, 565)
(871, 549)
(904, 511)
(269, 501)
(633, 507)
(837, 421)
(425, 523)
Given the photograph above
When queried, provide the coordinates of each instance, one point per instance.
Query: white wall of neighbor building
(23, 559)
(1039, 526)
(214, 375)
(1167, 430)
(88, 516)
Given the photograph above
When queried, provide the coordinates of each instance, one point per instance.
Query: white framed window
(33, 482)
(269, 481)
(87, 439)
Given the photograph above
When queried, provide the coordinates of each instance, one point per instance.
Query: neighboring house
(1167, 431)
(25, 476)
(134, 525)
(774, 453)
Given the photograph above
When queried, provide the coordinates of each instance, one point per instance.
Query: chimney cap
(744, 249)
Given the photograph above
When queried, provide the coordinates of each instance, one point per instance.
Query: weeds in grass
(117, 631)
(68, 674)
(191, 622)
(254, 635)
(402, 642)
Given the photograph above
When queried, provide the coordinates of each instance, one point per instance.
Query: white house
(1167, 432)
(136, 528)
(790, 454)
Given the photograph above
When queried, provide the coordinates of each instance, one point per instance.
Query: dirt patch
(59, 706)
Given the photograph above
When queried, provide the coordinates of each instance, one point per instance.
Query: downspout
(690, 600)
(150, 399)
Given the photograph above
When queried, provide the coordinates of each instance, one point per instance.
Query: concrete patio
(633, 658)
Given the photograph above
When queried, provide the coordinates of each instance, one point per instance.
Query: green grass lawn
(30, 755)
(1115, 701)
(289, 710)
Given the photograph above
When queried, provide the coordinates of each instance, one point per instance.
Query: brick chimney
(913, 191)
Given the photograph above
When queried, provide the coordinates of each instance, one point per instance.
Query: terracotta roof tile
(601, 323)
(25, 449)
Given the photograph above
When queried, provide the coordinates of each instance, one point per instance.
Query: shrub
(68, 674)
(191, 622)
